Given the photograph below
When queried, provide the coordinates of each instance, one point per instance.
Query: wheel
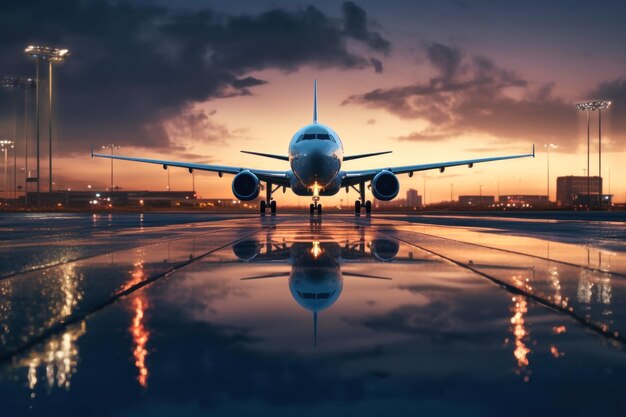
(273, 206)
(357, 207)
(368, 207)
(319, 209)
(311, 208)
(262, 206)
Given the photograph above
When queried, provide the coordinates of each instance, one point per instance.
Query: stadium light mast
(51, 55)
(5, 145)
(24, 83)
(549, 146)
(111, 146)
(593, 106)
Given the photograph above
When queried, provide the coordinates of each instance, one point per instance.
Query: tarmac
(215, 314)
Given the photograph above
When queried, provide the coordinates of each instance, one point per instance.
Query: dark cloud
(615, 91)
(377, 64)
(471, 94)
(357, 27)
(134, 66)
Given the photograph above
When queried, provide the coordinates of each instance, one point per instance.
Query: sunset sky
(431, 80)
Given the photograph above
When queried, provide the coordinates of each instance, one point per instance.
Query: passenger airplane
(315, 155)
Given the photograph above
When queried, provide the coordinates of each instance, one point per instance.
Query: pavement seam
(588, 268)
(82, 258)
(77, 318)
(512, 289)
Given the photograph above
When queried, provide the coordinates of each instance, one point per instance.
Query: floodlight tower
(5, 145)
(26, 84)
(593, 106)
(549, 146)
(51, 55)
(111, 146)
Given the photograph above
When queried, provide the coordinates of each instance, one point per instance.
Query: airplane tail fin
(315, 101)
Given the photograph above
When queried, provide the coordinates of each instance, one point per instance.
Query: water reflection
(138, 330)
(316, 276)
(59, 354)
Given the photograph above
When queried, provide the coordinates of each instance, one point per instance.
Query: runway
(198, 314)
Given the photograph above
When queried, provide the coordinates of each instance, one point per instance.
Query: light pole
(111, 146)
(593, 106)
(549, 146)
(5, 145)
(451, 189)
(51, 55)
(24, 83)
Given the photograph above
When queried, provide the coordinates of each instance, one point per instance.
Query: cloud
(471, 94)
(134, 66)
(426, 135)
(356, 26)
(615, 91)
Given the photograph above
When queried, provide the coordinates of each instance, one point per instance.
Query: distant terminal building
(523, 201)
(476, 200)
(575, 191)
(106, 199)
(413, 199)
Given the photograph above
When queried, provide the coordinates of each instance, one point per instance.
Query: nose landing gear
(315, 205)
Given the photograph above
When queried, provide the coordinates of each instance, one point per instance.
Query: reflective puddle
(289, 315)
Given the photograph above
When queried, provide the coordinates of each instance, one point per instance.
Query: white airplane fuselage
(315, 156)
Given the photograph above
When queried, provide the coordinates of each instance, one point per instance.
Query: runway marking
(79, 317)
(600, 329)
(134, 245)
(544, 258)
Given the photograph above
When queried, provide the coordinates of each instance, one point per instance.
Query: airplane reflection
(316, 276)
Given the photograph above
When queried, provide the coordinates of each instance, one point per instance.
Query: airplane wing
(356, 177)
(275, 177)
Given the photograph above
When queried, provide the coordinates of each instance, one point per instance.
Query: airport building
(572, 191)
(413, 199)
(523, 201)
(109, 199)
(476, 200)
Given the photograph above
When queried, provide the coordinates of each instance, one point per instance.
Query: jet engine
(385, 186)
(246, 186)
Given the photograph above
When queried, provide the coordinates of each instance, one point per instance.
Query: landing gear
(269, 202)
(315, 207)
(361, 201)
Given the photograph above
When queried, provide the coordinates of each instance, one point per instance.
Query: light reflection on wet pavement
(290, 314)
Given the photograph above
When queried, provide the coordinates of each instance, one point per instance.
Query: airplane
(316, 156)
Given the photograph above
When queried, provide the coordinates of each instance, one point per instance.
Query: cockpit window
(314, 296)
(318, 136)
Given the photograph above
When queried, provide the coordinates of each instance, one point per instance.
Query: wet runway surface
(189, 315)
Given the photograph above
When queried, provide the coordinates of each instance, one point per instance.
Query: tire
(368, 207)
(357, 207)
(263, 206)
(311, 209)
(319, 209)
(273, 206)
